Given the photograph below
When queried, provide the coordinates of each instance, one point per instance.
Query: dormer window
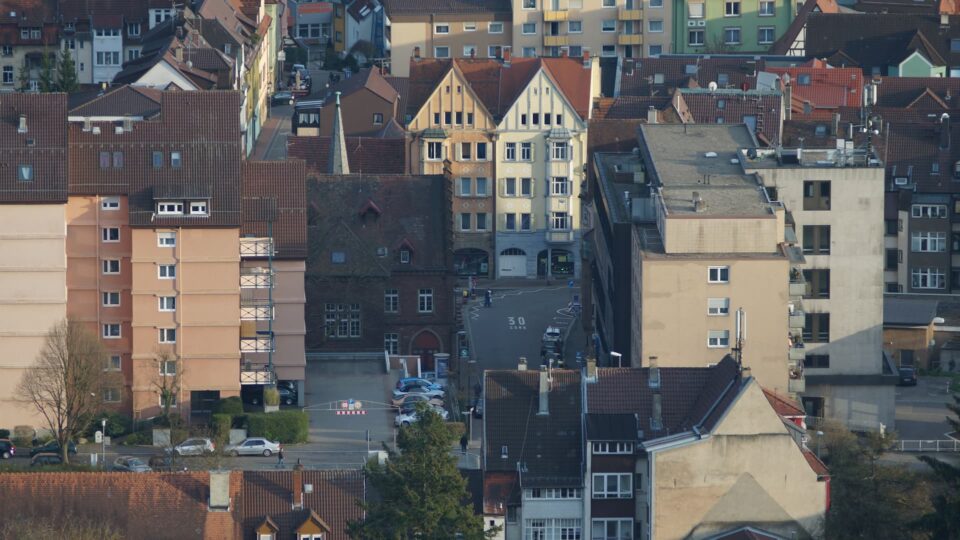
(405, 256)
(198, 208)
(25, 173)
(169, 208)
(176, 160)
(803, 79)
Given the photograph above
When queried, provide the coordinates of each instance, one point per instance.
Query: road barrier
(948, 445)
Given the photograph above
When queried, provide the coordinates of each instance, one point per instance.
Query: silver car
(196, 446)
(254, 446)
(130, 464)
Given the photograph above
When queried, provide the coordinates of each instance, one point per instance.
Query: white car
(405, 419)
(254, 446)
(196, 446)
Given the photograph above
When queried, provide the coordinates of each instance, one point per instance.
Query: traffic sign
(345, 413)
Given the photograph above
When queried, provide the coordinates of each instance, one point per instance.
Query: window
(469, 51)
(925, 242)
(510, 222)
(553, 493)
(391, 301)
(559, 186)
(608, 50)
(113, 363)
(404, 256)
(695, 10)
(441, 29)
(817, 361)
(892, 258)
(695, 38)
(111, 299)
(111, 331)
(927, 278)
(656, 50)
(166, 239)
(459, 116)
(768, 8)
(731, 35)
(529, 4)
(167, 271)
(612, 529)
(441, 52)
(111, 266)
(377, 119)
(481, 222)
(655, 26)
(529, 52)
(718, 306)
(526, 151)
(609, 3)
(157, 160)
(547, 116)
(559, 221)
(466, 220)
(465, 187)
(342, 320)
(612, 486)
(481, 186)
(108, 58)
(25, 173)
(718, 338)
(7, 74)
(535, 119)
(551, 528)
(510, 152)
(466, 149)
(718, 274)
(559, 150)
(110, 203)
(525, 222)
(731, 8)
(469, 118)
(955, 45)
(167, 303)
(816, 195)
(170, 208)
(495, 28)
(818, 282)
(766, 34)
(510, 187)
(6, 50)
(111, 395)
(110, 234)
(175, 160)
(526, 187)
(608, 25)
(612, 448)
(469, 27)
(425, 300)
(434, 151)
(816, 328)
(168, 335)
(391, 343)
(198, 208)
(928, 211)
(816, 239)
(574, 27)
(171, 400)
(529, 29)
(133, 29)
(523, 119)
(482, 151)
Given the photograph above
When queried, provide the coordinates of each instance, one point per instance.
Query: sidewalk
(267, 135)
(522, 283)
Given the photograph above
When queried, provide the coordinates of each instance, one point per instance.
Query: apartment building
(369, 103)
(730, 26)
(628, 28)
(33, 262)
(444, 29)
(28, 31)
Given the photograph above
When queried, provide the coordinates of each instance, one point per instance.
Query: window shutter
(533, 187)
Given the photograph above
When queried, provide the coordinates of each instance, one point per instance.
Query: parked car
(254, 446)
(908, 377)
(283, 97)
(413, 399)
(53, 447)
(196, 446)
(7, 449)
(165, 463)
(407, 419)
(130, 464)
(408, 408)
(288, 396)
(400, 394)
(417, 381)
(45, 458)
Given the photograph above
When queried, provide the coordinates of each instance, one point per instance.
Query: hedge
(230, 405)
(221, 428)
(282, 426)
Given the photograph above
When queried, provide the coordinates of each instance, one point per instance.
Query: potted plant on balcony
(271, 400)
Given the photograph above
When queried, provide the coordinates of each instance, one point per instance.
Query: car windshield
(906, 371)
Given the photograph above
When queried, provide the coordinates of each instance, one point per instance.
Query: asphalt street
(921, 412)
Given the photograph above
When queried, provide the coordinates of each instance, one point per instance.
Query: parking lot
(921, 410)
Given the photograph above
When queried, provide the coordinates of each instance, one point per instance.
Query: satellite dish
(712, 86)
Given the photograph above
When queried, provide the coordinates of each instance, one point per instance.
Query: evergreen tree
(421, 493)
(944, 520)
(24, 76)
(67, 80)
(47, 80)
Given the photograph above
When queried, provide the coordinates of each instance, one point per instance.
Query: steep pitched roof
(782, 45)
(402, 86)
(783, 405)
(365, 155)
(907, 91)
(122, 100)
(274, 198)
(425, 74)
(822, 86)
(369, 79)
(43, 146)
(547, 446)
(573, 79)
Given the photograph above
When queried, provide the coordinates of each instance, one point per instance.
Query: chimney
(591, 369)
(745, 372)
(416, 53)
(586, 59)
(654, 379)
(522, 364)
(296, 489)
(944, 131)
(506, 58)
(22, 126)
(544, 391)
(338, 144)
(698, 203)
(219, 491)
(651, 115)
(178, 52)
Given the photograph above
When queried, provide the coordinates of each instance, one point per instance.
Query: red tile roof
(824, 87)
(574, 80)
(43, 146)
(815, 463)
(275, 192)
(783, 405)
(369, 79)
(640, 77)
(366, 155)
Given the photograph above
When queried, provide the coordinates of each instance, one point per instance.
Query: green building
(730, 26)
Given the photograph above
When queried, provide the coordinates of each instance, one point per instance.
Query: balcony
(797, 353)
(556, 41)
(256, 310)
(626, 14)
(798, 285)
(559, 236)
(256, 375)
(555, 15)
(256, 247)
(260, 343)
(797, 317)
(797, 386)
(558, 203)
(630, 39)
(256, 278)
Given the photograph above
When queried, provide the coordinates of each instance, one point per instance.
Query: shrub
(221, 424)
(23, 435)
(271, 396)
(117, 424)
(230, 405)
(139, 438)
(4, 433)
(283, 426)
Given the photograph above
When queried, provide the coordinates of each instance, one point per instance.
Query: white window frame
(111, 395)
(927, 278)
(559, 150)
(482, 223)
(598, 528)
(438, 26)
(570, 29)
(469, 27)
(106, 264)
(612, 448)
(167, 336)
(528, 182)
(718, 339)
(167, 239)
(106, 235)
(434, 151)
(928, 211)
(599, 487)
(436, 51)
(524, 26)
(718, 307)
(736, 29)
(425, 301)
(469, 51)
(510, 151)
(391, 301)
(526, 151)
(465, 186)
(562, 494)
(166, 271)
(560, 186)
(507, 183)
(173, 400)
(560, 221)
(176, 160)
(114, 366)
(608, 26)
(170, 208)
(391, 343)
(772, 12)
(110, 298)
(715, 274)
(490, 28)
(731, 6)
(199, 208)
(108, 328)
(608, 50)
(650, 24)
(166, 303)
(701, 32)
(928, 241)
(476, 186)
(110, 204)
(773, 34)
(404, 256)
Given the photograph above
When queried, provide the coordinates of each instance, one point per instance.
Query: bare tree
(66, 382)
(168, 374)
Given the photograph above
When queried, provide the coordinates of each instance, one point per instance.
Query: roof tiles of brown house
(106, 11)
(732, 106)
(642, 77)
(202, 126)
(548, 446)
(824, 86)
(274, 200)
(919, 92)
(369, 78)
(42, 146)
(402, 86)
(365, 155)
(500, 489)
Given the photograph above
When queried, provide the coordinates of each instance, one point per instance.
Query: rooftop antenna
(741, 337)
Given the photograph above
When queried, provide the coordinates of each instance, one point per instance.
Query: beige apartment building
(33, 281)
(628, 28)
(443, 29)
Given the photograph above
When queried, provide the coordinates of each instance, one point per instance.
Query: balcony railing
(798, 285)
(630, 39)
(626, 14)
(256, 278)
(555, 15)
(256, 310)
(256, 344)
(796, 381)
(797, 386)
(798, 318)
(256, 375)
(559, 236)
(798, 353)
(256, 247)
(556, 41)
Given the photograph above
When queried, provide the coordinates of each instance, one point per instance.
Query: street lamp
(618, 357)
(103, 440)
(281, 57)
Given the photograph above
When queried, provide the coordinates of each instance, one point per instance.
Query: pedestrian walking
(463, 443)
(280, 458)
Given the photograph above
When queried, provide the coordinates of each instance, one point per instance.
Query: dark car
(165, 463)
(288, 395)
(52, 447)
(908, 377)
(7, 449)
(46, 458)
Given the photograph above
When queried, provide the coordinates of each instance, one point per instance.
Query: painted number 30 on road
(516, 323)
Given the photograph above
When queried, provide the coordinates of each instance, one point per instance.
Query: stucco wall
(723, 235)
(407, 34)
(289, 325)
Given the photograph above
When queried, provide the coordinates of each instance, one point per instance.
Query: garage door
(513, 266)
